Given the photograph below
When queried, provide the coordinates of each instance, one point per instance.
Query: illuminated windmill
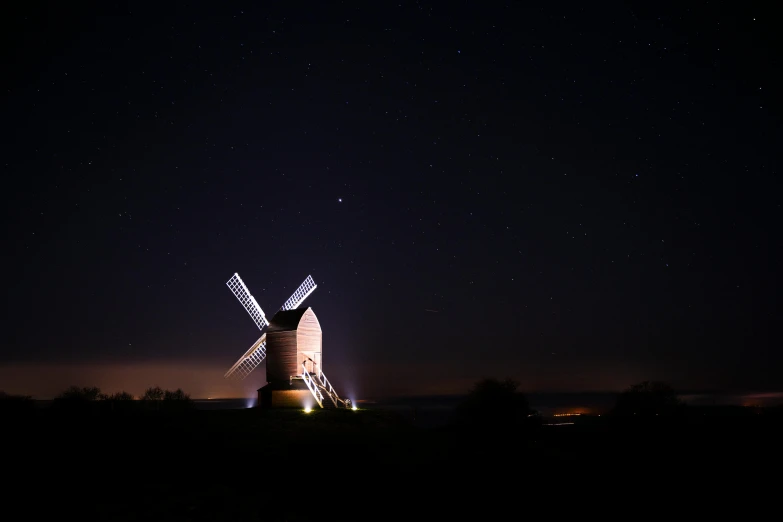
(291, 344)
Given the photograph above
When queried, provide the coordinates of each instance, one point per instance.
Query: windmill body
(293, 338)
(292, 346)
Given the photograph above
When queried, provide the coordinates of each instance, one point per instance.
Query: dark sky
(578, 197)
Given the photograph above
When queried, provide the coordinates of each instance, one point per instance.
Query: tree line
(492, 399)
(92, 398)
(156, 393)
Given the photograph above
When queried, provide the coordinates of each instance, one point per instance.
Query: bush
(119, 396)
(648, 399)
(76, 398)
(75, 393)
(158, 399)
(493, 405)
(176, 395)
(153, 394)
(177, 400)
(91, 398)
(16, 403)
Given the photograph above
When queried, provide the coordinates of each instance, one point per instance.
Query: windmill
(292, 342)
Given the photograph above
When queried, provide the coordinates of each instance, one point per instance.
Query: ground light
(308, 409)
(354, 408)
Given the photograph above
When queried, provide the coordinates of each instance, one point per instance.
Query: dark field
(250, 464)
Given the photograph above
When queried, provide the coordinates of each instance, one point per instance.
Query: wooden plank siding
(281, 356)
(292, 337)
(309, 341)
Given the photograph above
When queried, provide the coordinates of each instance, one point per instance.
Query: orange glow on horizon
(200, 381)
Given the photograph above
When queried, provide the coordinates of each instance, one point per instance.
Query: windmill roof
(286, 320)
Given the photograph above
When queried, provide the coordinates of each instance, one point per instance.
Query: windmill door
(310, 362)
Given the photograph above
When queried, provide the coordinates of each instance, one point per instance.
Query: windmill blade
(237, 286)
(248, 362)
(301, 294)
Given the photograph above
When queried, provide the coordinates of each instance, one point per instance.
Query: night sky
(577, 197)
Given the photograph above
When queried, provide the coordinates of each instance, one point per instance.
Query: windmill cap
(286, 320)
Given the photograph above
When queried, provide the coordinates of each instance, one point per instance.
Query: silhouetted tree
(120, 401)
(648, 399)
(176, 395)
(177, 400)
(16, 403)
(494, 405)
(153, 394)
(159, 399)
(11, 397)
(75, 393)
(120, 396)
(77, 398)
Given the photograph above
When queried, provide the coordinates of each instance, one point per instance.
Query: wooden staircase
(322, 390)
(329, 402)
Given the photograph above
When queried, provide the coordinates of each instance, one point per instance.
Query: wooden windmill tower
(292, 345)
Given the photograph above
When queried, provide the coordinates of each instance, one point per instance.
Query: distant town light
(308, 409)
(354, 408)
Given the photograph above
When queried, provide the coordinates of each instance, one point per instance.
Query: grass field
(289, 465)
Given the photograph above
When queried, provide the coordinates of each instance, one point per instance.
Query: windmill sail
(301, 294)
(248, 362)
(237, 286)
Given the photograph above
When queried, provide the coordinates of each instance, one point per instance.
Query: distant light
(308, 409)
(354, 408)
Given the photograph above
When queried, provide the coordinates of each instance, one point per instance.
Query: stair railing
(325, 384)
(311, 384)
